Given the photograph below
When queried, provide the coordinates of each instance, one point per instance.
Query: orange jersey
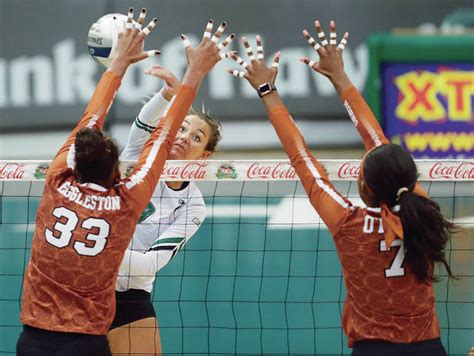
(384, 299)
(82, 230)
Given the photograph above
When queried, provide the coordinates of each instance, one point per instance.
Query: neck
(174, 185)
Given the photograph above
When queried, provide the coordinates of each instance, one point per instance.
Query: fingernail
(143, 10)
(130, 9)
(182, 36)
(232, 35)
(155, 20)
(317, 23)
(332, 23)
(211, 20)
(157, 52)
(224, 24)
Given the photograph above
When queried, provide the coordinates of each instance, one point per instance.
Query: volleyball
(103, 36)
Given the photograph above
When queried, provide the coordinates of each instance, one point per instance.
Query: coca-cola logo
(281, 170)
(348, 170)
(191, 170)
(12, 170)
(452, 170)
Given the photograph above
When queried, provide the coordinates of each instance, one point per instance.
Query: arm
(331, 65)
(149, 115)
(331, 206)
(129, 50)
(168, 244)
(143, 126)
(201, 60)
(93, 117)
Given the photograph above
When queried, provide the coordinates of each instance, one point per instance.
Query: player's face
(191, 140)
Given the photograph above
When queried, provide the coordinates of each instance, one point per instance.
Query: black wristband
(265, 88)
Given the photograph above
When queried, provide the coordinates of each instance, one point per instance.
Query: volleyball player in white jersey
(171, 218)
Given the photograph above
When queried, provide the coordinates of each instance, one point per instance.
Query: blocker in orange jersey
(82, 230)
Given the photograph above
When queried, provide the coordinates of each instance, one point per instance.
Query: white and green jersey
(171, 218)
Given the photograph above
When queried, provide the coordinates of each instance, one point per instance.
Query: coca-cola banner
(428, 108)
(47, 75)
(271, 170)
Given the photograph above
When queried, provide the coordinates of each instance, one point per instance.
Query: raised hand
(330, 62)
(172, 83)
(205, 56)
(131, 42)
(256, 72)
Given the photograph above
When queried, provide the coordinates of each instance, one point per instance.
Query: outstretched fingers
(150, 27)
(311, 40)
(248, 49)
(276, 60)
(219, 32)
(146, 54)
(236, 73)
(239, 60)
(129, 24)
(259, 48)
(312, 64)
(332, 33)
(343, 42)
(224, 44)
(207, 32)
(185, 40)
(141, 19)
(321, 34)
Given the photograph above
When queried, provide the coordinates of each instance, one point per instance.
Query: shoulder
(195, 196)
(353, 219)
(194, 190)
(59, 176)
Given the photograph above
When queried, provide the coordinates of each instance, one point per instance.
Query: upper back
(81, 234)
(384, 299)
(378, 280)
(79, 226)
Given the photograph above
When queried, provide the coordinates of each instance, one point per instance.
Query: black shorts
(40, 342)
(132, 305)
(432, 347)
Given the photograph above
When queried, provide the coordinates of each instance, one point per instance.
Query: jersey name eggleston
(92, 202)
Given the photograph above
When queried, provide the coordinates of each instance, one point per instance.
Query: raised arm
(331, 65)
(201, 60)
(148, 117)
(331, 206)
(129, 50)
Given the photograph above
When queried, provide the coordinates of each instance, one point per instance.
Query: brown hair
(96, 156)
(213, 123)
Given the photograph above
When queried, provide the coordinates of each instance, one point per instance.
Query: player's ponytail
(426, 232)
(96, 156)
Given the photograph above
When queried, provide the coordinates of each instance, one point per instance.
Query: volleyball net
(261, 276)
